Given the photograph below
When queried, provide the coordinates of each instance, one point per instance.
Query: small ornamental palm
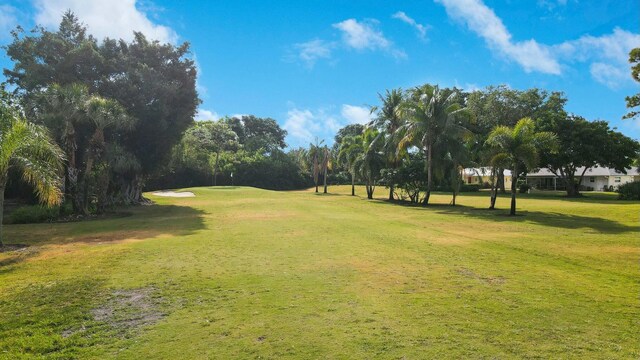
(29, 149)
(519, 145)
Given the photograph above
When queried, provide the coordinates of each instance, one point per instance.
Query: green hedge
(37, 214)
(629, 191)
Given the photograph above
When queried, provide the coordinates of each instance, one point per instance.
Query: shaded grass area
(248, 273)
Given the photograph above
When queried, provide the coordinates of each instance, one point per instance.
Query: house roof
(482, 171)
(594, 171)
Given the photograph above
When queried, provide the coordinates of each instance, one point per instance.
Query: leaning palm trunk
(494, 188)
(353, 183)
(324, 179)
(429, 175)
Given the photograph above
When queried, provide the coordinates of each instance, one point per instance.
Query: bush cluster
(629, 191)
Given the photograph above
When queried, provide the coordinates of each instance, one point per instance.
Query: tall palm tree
(388, 121)
(29, 149)
(313, 156)
(520, 144)
(326, 165)
(350, 148)
(430, 114)
(370, 161)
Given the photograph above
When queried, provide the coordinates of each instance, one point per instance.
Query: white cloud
(421, 29)
(204, 114)
(309, 52)
(304, 125)
(364, 36)
(8, 20)
(301, 124)
(484, 22)
(356, 114)
(608, 55)
(115, 19)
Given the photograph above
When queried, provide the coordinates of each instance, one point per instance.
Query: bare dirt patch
(490, 280)
(130, 309)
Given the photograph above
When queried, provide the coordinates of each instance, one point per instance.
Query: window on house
(592, 179)
(617, 179)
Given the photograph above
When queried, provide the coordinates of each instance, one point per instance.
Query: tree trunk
(324, 180)
(1, 212)
(501, 181)
(429, 175)
(215, 170)
(353, 184)
(514, 180)
(316, 187)
(390, 191)
(494, 189)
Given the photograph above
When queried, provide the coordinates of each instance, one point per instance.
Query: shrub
(33, 214)
(470, 187)
(524, 188)
(629, 191)
(37, 214)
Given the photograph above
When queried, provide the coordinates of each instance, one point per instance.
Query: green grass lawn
(248, 273)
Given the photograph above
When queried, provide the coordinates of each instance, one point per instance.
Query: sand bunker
(174, 194)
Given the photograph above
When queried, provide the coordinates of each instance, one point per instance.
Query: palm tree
(350, 149)
(370, 161)
(103, 114)
(388, 121)
(326, 164)
(520, 144)
(63, 110)
(430, 114)
(313, 156)
(29, 149)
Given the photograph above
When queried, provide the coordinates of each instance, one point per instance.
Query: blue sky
(316, 66)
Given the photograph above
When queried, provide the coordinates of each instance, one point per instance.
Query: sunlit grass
(248, 273)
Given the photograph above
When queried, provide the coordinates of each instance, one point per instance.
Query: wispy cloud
(421, 29)
(364, 35)
(480, 19)
(117, 19)
(309, 52)
(304, 125)
(8, 20)
(608, 55)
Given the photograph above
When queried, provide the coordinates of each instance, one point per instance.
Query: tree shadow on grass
(586, 197)
(550, 219)
(143, 222)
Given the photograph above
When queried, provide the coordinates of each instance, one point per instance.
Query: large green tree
(520, 144)
(502, 105)
(585, 144)
(28, 149)
(153, 82)
(633, 101)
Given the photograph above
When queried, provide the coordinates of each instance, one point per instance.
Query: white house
(482, 175)
(596, 178)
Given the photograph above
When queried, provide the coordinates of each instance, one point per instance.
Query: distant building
(596, 178)
(482, 176)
